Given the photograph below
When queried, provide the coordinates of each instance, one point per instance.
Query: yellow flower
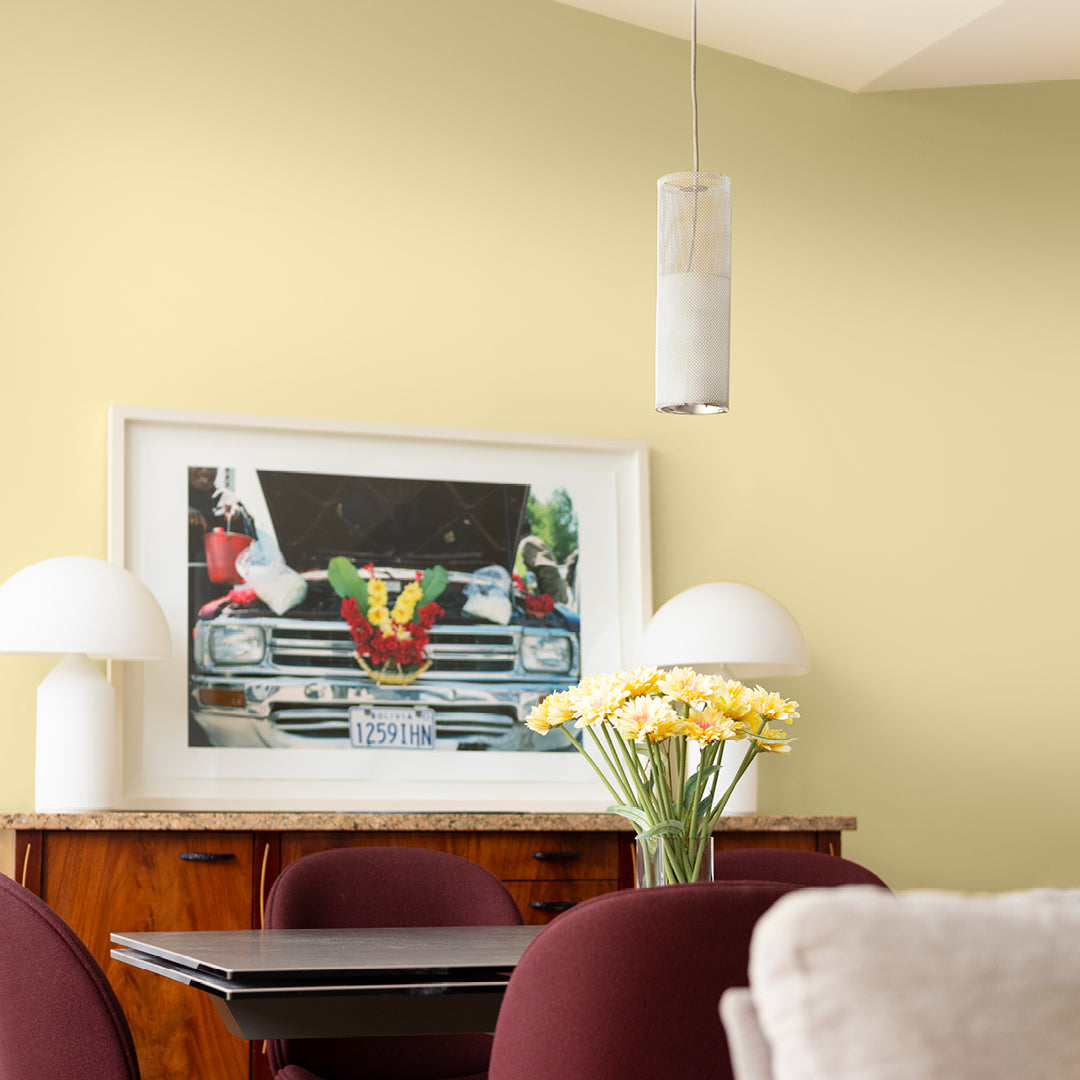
(642, 715)
(403, 611)
(665, 723)
(560, 711)
(640, 680)
(553, 711)
(686, 685)
(711, 725)
(595, 698)
(378, 615)
(376, 594)
(771, 706)
(404, 635)
(730, 697)
(537, 719)
(773, 747)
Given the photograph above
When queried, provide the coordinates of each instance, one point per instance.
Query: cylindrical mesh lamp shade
(693, 292)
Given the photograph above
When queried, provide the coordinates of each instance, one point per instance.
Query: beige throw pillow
(859, 984)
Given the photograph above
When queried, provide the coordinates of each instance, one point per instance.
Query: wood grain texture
(543, 856)
(104, 882)
(295, 845)
(788, 841)
(510, 856)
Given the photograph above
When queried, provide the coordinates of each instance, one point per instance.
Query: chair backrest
(627, 985)
(387, 886)
(811, 868)
(59, 1017)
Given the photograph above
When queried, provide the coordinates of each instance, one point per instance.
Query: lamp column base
(75, 737)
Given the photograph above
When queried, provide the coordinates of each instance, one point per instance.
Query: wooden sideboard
(136, 871)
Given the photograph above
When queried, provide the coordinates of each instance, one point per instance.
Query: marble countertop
(290, 821)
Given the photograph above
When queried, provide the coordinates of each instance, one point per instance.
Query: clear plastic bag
(262, 566)
(487, 596)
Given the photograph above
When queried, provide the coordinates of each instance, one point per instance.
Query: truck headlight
(237, 644)
(543, 653)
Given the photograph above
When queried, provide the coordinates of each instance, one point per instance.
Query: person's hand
(195, 518)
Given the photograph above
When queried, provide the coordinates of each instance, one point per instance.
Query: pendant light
(693, 280)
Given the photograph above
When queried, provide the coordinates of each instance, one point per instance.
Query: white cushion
(747, 1048)
(861, 984)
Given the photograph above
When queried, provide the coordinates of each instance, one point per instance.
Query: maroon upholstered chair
(59, 1017)
(385, 886)
(627, 985)
(810, 868)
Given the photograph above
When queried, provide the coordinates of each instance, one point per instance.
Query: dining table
(294, 984)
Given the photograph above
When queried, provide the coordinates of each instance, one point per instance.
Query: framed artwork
(363, 615)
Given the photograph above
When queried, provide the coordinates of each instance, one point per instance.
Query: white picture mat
(150, 453)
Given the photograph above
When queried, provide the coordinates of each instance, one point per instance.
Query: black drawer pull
(555, 856)
(206, 856)
(552, 905)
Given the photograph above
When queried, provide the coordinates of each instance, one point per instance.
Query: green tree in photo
(555, 523)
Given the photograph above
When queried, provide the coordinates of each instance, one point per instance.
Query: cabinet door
(103, 882)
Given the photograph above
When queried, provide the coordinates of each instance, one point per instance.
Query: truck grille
(453, 651)
(454, 722)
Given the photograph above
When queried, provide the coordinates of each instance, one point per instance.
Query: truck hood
(405, 523)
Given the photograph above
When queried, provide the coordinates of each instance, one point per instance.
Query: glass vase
(669, 860)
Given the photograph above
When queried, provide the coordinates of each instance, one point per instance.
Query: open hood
(404, 523)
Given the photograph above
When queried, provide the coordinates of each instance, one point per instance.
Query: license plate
(392, 729)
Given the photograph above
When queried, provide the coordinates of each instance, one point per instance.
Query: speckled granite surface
(272, 821)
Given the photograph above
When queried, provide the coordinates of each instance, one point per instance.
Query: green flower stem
(693, 830)
(648, 806)
(628, 781)
(660, 764)
(585, 754)
(612, 764)
(751, 753)
(675, 851)
(704, 763)
(715, 778)
(678, 771)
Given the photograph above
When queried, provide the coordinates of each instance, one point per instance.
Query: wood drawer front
(295, 845)
(509, 856)
(788, 841)
(551, 898)
(543, 856)
(101, 882)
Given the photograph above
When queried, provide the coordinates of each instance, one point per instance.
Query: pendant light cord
(693, 114)
(693, 76)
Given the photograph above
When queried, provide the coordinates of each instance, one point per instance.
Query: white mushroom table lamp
(730, 629)
(78, 607)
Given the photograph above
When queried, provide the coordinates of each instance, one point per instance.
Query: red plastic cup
(221, 550)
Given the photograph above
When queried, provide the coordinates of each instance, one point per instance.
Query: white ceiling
(864, 45)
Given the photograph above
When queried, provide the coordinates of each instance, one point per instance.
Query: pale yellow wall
(443, 212)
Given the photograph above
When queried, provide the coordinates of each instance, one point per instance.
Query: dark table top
(257, 956)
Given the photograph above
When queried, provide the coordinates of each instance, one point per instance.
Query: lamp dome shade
(726, 627)
(75, 604)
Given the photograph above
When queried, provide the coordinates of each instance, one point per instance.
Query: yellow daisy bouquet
(643, 724)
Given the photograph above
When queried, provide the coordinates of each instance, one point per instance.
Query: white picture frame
(148, 456)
